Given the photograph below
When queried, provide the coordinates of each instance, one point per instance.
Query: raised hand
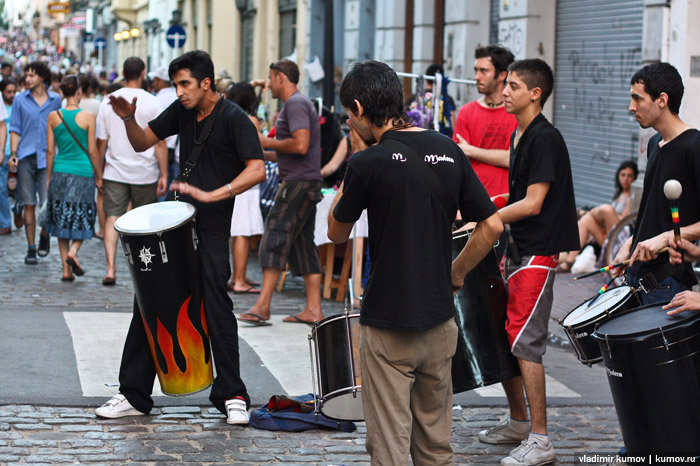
(122, 107)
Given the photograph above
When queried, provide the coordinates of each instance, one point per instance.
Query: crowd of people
(506, 168)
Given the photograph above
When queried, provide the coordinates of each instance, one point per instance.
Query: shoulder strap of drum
(430, 177)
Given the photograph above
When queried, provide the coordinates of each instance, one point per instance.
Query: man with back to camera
(542, 215)
(230, 162)
(672, 153)
(408, 332)
(129, 176)
(166, 94)
(483, 127)
(289, 226)
(30, 113)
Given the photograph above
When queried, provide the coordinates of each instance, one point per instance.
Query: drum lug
(127, 251)
(163, 252)
(607, 343)
(195, 241)
(666, 344)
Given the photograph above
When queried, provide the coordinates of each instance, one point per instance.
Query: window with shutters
(288, 27)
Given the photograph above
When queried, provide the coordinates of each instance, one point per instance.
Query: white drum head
(344, 407)
(154, 218)
(608, 301)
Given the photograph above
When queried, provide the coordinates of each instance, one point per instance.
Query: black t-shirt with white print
(232, 140)
(410, 239)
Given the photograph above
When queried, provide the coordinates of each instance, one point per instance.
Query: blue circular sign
(100, 42)
(176, 36)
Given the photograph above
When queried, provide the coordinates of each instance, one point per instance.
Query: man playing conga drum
(230, 162)
(408, 332)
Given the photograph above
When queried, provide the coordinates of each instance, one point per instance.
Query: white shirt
(122, 163)
(167, 96)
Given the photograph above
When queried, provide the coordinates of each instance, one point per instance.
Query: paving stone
(176, 428)
(8, 458)
(82, 443)
(103, 436)
(4, 426)
(110, 459)
(49, 459)
(18, 419)
(32, 427)
(34, 443)
(130, 429)
(175, 416)
(184, 410)
(80, 428)
(14, 451)
(67, 420)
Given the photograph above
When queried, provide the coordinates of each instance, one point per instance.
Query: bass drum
(483, 355)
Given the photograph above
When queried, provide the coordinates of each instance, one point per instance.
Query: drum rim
(325, 398)
(597, 316)
(155, 232)
(335, 317)
(648, 332)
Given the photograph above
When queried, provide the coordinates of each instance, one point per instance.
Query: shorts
(289, 229)
(30, 181)
(117, 196)
(530, 297)
(246, 219)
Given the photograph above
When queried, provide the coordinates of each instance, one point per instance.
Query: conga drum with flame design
(160, 242)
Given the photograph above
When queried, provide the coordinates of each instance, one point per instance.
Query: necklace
(394, 128)
(214, 113)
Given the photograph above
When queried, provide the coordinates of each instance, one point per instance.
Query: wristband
(130, 117)
(230, 190)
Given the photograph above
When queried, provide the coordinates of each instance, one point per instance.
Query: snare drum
(580, 323)
(335, 372)
(160, 243)
(653, 366)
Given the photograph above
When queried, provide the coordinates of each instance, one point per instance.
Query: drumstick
(673, 191)
(600, 292)
(613, 266)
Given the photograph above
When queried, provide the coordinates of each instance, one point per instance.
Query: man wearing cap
(166, 94)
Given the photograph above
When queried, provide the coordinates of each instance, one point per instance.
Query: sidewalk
(199, 434)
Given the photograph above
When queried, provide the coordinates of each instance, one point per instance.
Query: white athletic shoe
(236, 412)
(506, 432)
(117, 407)
(531, 452)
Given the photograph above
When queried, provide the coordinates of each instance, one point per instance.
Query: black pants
(137, 371)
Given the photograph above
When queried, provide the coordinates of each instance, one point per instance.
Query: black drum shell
(161, 288)
(654, 378)
(483, 354)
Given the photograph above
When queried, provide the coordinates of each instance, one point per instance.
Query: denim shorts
(663, 293)
(30, 181)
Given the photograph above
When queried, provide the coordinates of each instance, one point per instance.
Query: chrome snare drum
(580, 323)
(335, 366)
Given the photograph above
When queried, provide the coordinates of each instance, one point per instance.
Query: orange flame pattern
(198, 373)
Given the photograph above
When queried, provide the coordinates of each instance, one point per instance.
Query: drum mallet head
(672, 189)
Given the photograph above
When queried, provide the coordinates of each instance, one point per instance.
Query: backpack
(294, 415)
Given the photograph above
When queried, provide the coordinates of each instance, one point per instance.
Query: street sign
(176, 36)
(57, 8)
(100, 42)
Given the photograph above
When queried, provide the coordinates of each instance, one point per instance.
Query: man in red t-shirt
(483, 127)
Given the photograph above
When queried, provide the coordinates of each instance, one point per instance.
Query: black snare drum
(653, 365)
(483, 354)
(580, 323)
(335, 366)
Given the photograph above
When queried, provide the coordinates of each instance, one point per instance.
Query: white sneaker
(117, 407)
(236, 412)
(531, 452)
(505, 432)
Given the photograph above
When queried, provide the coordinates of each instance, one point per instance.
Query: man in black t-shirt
(230, 162)
(542, 215)
(673, 153)
(408, 333)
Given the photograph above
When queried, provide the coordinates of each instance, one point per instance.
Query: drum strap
(430, 177)
(651, 280)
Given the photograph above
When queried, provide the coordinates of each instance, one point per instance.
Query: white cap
(160, 73)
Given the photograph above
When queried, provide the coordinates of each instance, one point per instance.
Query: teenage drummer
(230, 162)
(672, 153)
(408, 332)
(542, 215)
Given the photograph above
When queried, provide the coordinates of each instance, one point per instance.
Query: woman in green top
(71, 177)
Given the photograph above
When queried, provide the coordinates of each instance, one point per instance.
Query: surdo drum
(653, 366)
(160, 243)
(483, 354)
(334, 345)
(580, 323)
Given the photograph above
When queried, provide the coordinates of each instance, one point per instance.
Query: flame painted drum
(337, 378)
(160, 242)
(653, 365)
(483, 355)
(580, 322)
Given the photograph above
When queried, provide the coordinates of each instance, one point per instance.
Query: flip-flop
(109, 281)
(250, 290)
(258, 321)
(252, 282)
(296, 320)
(77, 269)
(67, 279)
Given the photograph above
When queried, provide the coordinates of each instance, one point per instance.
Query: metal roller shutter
(598, 49)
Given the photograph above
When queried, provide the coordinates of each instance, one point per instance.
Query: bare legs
(532, 380)
(597, 223)
(111, 240)
(30, 224)
(68, 249)
(240, 249)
